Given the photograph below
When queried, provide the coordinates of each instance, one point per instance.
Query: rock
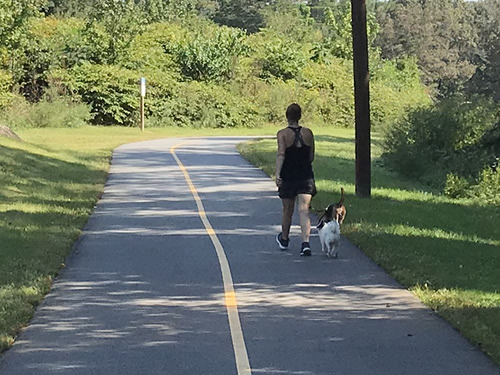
(6, 132)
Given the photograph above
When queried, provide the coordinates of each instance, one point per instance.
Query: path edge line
(239, 347)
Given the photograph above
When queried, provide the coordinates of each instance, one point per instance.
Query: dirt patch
(6, 132)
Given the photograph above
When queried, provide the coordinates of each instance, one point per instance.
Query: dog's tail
(341, 201)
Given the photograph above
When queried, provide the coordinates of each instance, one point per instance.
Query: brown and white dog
(329, 226)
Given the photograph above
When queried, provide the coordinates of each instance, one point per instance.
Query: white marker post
(143, 94)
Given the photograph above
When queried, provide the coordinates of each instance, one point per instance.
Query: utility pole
(361, 98)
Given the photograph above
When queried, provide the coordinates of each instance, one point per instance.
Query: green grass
(445, 251)
(49, 184)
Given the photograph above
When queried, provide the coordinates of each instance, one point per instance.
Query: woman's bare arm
(280, 156)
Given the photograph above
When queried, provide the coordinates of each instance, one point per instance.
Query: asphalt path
(178, 272)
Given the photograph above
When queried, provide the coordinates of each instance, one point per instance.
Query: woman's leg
(305, 221)
(286, 220)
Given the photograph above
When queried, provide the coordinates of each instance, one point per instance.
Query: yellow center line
(240, 350)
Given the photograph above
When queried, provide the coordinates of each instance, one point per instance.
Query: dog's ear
(320, 220)
(329, 211)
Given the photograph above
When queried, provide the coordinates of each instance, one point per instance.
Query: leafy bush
(197, 104)
(455, 186)
(334, 86)
(50, 112)
(276, 95)
(111, 91)
(487, 186)
(395, 88)
(448, 145)
(281, 59)
(400, 74)
(150, 50)
(210, 57)
(64, 39)
(5, 89)
(289, 22)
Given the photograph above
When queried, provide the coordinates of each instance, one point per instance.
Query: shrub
(50, 112)
(395, 89)
(488, 186)
(210, 57)
(333, 83)
(149, 51)
(281, 59)
(61, 113)
(198, 104)
(455, 186)
(6, 96)
(111, 91)
(447, 145)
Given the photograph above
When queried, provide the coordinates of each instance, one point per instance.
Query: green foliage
(334, 103)
(273, 96)
(167, 10)
(486, 79)
(33, 68)
(14, 18)
(64, 39)
(53, 111)
(446, 144)
(484, 16)
(439, 33)
(281, 59)
(337, 33)
(400, 73)
(243, 14)
(54, 44)
(395, 88)
(122, 20)
(487, 186)
(455, 186)
(100, 55)
(286, 21)
(199, 105)
(149, 51)
(210, 57)
(5, 89)
(111, 91)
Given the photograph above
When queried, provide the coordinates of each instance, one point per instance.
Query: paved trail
(178, 272)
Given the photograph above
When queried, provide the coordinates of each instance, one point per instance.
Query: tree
(486, 55)
(244, 14)
(123, 21)
(337, 32)
(436, 32)
(15, 17)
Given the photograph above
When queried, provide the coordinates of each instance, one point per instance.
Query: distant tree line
(219, 63)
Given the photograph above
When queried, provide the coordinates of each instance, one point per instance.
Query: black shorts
(290, 189)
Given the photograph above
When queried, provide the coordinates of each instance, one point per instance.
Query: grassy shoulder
(49, 185)
(445, 251)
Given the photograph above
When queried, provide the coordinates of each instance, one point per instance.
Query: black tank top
(297, 166)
